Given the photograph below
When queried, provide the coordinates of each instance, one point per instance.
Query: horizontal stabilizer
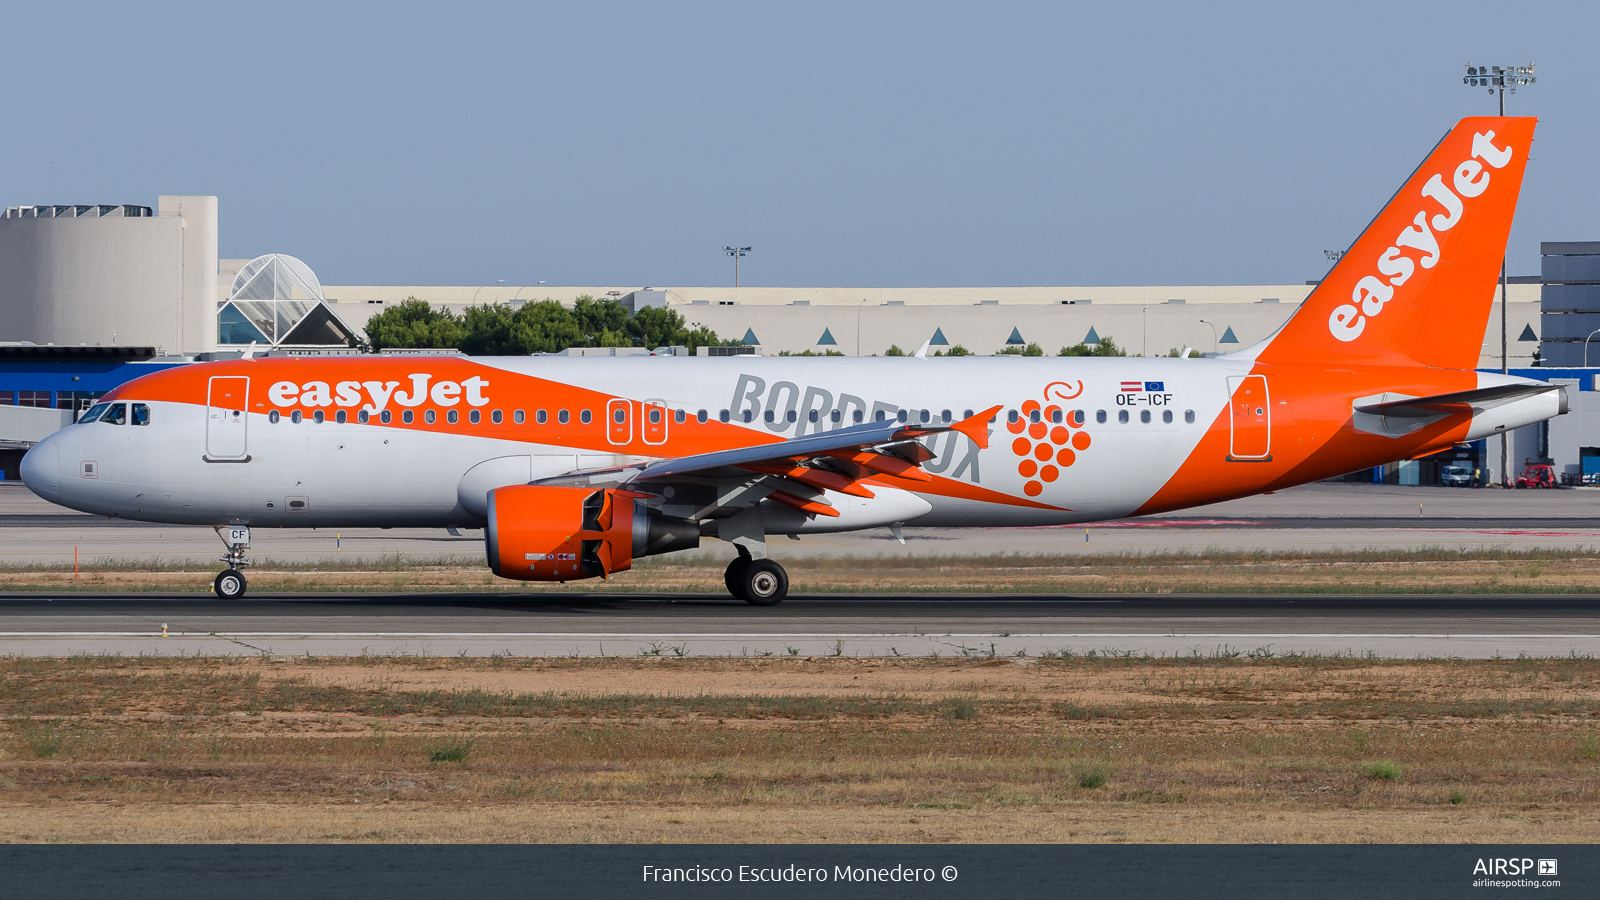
(1461, 401)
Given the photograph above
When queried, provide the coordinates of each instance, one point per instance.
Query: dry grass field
(799, 750)
(1435, 570)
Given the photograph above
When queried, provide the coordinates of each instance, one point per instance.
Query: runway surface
(1316, 517)
(1474, 626)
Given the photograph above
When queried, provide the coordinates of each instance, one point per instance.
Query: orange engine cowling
(542, 533)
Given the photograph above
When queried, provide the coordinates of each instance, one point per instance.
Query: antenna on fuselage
(250, 351)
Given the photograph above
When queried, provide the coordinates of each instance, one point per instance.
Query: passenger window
(1100, 416)
(880, 415)
(585, 417)
(272, 417)
(95, 412)
(857, 416)
(812, 416)
(790, 417)
(428, 416)
(141, 414)
(680, 416)
(385, 417)
(923, 417)
(341, 417)
(835, 417)
(901, 416)
(748, 415)
(540, 417)
(966, 414)
(405, 417)
(1144, 416)
(116, 414)
(944, 416)
(318, 417)
(1188, 416)
(620, 415)
(701, 417)
(474, 417)
(722, 416)
(1166, 416)
(295, 417)
(1011, 417)
(452, 417)
(769, 416)
(496, 417)
(563, 417)
(1033, 416)
(1077, 419)
(655, 416)
(363, 416)
(517, 417)
(1122, 416)
(1055, 416)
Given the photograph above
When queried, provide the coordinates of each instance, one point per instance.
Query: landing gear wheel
(733, 576)
(230, 584)
(763, 583)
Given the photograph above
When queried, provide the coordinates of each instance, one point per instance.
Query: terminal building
(94, 295)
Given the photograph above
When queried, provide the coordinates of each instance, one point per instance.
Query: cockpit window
(94, 412)
(116, 414)
(141, 414)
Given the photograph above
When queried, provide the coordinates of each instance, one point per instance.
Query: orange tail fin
(1417, 286)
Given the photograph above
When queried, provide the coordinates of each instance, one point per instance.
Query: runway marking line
(658, 635)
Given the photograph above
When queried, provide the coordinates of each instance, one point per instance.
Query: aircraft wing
(799, 470)
(1444, 404)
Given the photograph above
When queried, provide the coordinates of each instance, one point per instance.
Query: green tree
(546, 327)
(811, 353)
(1030, 350)
(596, 317)
(488, 330)
(894, 350)
(414, 323)
(957, 350)
(1106, 347)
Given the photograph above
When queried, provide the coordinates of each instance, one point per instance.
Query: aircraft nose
(40, 468)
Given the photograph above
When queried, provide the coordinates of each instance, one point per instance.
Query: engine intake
(542, 533)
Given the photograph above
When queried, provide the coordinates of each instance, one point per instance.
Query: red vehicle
(1537, 477)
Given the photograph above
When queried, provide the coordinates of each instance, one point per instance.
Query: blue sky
(859, 144)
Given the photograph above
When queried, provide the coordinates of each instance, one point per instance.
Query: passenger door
(1249, 419)
(227, 399)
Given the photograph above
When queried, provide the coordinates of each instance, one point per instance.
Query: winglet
(922, 352)
(977, 427)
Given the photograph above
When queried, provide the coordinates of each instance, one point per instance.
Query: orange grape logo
(1047, 446)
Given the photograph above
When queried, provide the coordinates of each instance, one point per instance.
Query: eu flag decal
(1155, 385)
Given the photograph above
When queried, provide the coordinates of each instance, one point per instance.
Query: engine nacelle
(541, 533)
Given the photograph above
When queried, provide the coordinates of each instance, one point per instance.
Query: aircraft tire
(763, 583)
(733, 577)
(230, 584)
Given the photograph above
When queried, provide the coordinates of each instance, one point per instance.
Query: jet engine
(541, 533)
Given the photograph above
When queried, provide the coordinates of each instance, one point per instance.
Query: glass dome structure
(277, 300)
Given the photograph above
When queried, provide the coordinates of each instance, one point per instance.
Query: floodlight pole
(1213, 328)
(737, 253)
(1497, 79)
(859, 307)
(481, 287)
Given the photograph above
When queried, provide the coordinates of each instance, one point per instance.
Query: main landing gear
(759, 582)
(230, 583)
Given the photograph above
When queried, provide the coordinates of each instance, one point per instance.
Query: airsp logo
(1503, 866)
(1048, 439)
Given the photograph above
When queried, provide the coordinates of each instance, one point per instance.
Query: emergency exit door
(1249, 419)
(227, 401)
(619, 421)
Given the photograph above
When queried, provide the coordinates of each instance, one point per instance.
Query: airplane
(577, 466)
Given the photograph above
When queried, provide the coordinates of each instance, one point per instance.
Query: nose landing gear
(230, 583)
